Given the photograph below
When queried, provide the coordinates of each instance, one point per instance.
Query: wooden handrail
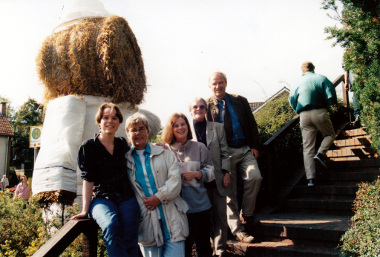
(67, 234)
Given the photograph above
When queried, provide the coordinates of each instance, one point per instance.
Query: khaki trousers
(311, 122)
(243, 164)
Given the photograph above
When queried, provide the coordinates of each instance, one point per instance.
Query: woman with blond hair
(196, 168)
(156, 180)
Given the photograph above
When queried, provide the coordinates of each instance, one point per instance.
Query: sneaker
(321, 159)
(310, 183)
(244, 237)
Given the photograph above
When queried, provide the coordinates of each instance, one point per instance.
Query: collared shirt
(107, 171)
(312, 91)
(237, 137)
(144, 176)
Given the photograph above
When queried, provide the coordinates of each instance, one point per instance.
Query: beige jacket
(217, 144)
(168, 182)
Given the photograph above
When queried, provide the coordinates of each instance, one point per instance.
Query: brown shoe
(244, 237)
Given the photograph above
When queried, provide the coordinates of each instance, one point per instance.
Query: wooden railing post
(90, 240)
(67, 234)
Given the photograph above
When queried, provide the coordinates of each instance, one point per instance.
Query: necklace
(200, 136)
(179, 154)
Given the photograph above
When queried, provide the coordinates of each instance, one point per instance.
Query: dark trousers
(199, 233)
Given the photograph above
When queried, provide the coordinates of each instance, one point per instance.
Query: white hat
(79, 10)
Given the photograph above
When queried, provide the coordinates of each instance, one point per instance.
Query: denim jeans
(168, 249)
(119, 222)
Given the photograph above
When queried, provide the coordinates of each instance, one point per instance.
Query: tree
(359, 35)
(29, 114)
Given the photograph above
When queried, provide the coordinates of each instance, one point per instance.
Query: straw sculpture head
(96, 56)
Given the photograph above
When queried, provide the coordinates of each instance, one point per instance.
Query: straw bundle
(96, 56)
(58, 196)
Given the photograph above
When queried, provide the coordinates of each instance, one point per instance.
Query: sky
(259, 45)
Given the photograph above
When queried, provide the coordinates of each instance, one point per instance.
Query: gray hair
(196, 99)
(136, 118)
(219, 73)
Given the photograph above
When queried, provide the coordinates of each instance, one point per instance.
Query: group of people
(168, 198)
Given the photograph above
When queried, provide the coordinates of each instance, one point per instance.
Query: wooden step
(357, 164)
(284, 248)
(361, 140)
(325, 191)
(356, 177)
(294, 234)
(362, 152)
(354, 132)
(316, 205)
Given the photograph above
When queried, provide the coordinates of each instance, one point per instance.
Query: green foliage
(22, 226)
(287, 152)
(363, 239)
(273, 117)
(24, 231)
(29, 114)
(359, 35)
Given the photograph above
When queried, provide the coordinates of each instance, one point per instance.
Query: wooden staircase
(311, 220)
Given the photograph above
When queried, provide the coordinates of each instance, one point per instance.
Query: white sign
(35, 136)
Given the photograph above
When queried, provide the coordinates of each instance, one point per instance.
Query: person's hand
(151, 202)
(189, 175)
(255, 153)
(81, 215)
(162, 145)
(346, 86)
(226, 180)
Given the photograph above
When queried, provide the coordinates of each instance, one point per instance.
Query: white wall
(3, 154)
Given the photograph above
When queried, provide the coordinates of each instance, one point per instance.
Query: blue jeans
(119, 222)
(168, 249)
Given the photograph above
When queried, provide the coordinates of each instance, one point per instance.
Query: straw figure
(91, 61)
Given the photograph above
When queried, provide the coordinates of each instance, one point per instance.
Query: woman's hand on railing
(81, 215)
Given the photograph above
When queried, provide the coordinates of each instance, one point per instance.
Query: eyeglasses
(200, 107)
(141, 130)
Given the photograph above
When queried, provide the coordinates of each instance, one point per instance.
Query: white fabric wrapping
(69, 121)
(55, 167)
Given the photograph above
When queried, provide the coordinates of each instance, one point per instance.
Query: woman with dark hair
(104, 173)
(196, 168)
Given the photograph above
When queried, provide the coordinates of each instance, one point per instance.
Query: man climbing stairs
(311, 220)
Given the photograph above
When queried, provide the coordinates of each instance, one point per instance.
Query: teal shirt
(312, 91)
(140, 178)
